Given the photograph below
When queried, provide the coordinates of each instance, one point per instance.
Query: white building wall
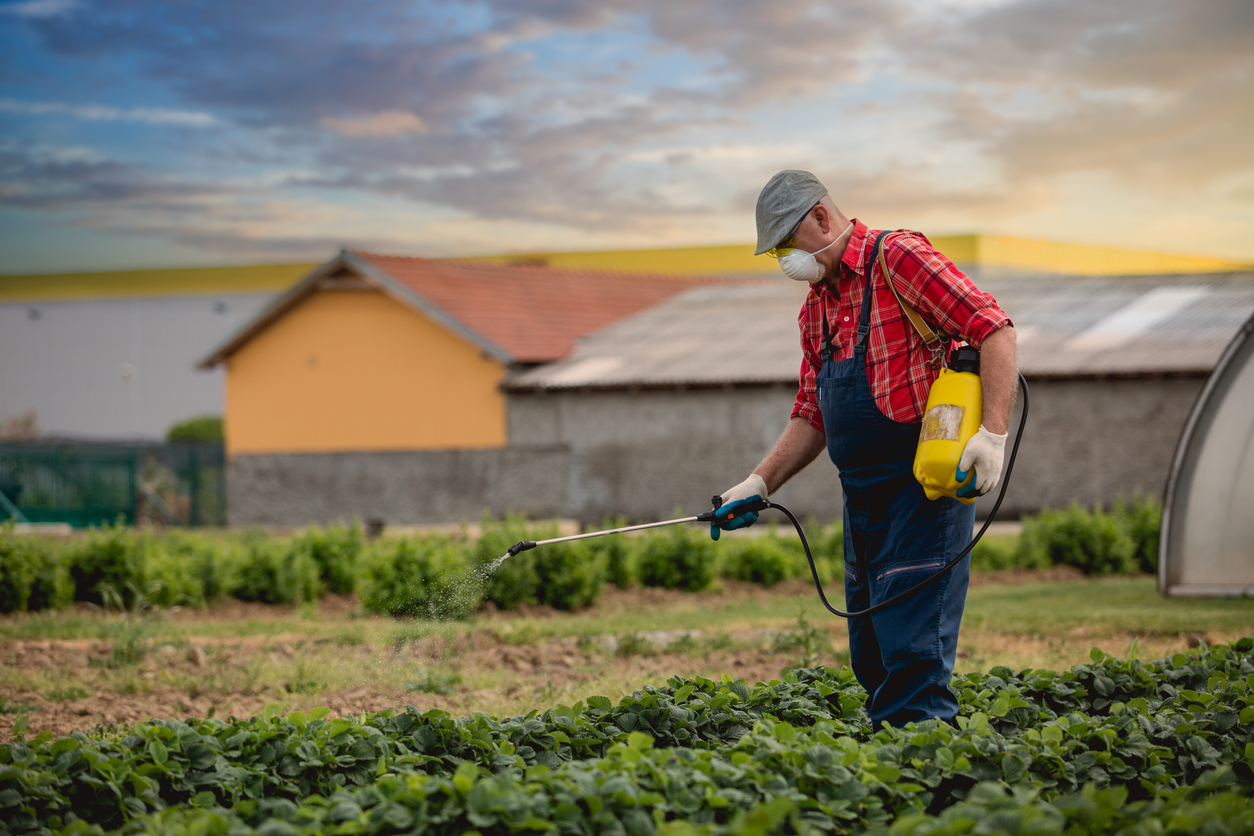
(116, 368)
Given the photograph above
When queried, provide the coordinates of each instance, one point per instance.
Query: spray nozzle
(521, 546)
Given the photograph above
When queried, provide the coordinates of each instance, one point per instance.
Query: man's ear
(824, 218)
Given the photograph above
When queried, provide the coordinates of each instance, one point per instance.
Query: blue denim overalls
(894, 537)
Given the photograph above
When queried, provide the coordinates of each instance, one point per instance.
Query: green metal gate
(87, 483)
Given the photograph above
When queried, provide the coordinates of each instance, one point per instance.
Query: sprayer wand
(526, 545)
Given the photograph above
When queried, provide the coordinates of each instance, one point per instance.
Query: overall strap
(864, 320)
(936, 341)
(825, 346)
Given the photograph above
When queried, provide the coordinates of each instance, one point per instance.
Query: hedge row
(1101, 747)
(448, 577)
(432, 576)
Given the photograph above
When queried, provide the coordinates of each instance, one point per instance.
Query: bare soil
(68, 685)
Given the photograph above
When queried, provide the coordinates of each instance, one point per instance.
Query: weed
(812, 641)
(7, 707)
(685, 644)
(517, 632)
(128, 629)
(434, 682)
(73, 692)
(353, 636)
(227, 671)
(302, 680)
(634, 644)
(720, 642)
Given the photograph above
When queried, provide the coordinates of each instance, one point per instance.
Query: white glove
(984, 452)
(728, 517)
(755, 485)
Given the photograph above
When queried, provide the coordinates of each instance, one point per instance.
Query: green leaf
(1013, 768)
(600, 703)
(159, 753)
(465, 777)
(639, 741)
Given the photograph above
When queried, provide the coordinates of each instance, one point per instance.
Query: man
(865, 376)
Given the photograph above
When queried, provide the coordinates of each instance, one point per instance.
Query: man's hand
(984, 452)
(750, 490)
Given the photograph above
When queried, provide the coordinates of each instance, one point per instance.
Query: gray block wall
(646, 454)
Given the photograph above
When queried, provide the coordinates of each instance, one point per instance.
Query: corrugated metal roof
(1068, 327)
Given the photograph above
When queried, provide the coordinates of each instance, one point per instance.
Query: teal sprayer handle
(746, 508)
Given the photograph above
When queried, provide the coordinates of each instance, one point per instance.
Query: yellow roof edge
(179, 281)
(1021, 254)
(990, 251)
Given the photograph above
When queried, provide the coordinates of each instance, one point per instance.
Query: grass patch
(68, 694)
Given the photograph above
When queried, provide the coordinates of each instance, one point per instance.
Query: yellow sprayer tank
(955, 408)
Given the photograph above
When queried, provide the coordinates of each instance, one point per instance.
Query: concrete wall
(586, 455)
(1093, 440)
(405, 486)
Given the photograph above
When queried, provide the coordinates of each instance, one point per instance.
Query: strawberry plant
(1104, 747)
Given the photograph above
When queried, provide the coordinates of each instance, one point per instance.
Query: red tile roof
(534, 313)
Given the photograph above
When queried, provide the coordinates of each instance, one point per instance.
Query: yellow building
(372, 352)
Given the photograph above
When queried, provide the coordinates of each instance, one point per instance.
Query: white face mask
(803, 266)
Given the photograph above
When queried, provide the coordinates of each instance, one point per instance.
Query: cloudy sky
(143, 133)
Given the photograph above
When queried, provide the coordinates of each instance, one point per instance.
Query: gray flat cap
(785, 200)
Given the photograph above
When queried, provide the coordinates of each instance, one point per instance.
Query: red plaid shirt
(899, 363)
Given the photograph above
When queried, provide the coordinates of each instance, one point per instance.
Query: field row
(447, 577)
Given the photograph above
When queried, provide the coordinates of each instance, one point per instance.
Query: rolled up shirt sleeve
(944, 295)
(807, 404)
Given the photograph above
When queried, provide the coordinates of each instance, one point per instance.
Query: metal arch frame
(1183, 450)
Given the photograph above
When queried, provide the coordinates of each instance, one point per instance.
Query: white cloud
(40, 8)
(103, 113)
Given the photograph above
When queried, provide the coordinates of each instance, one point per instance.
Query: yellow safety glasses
(784, 249)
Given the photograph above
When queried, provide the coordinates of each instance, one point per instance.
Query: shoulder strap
(934, 341)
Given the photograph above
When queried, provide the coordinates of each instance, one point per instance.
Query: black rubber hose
(901, 596)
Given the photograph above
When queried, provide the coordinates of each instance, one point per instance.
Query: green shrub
(1000, 552)
(764, 560)
(562, 575)
(514, 581)
(618, 552)
(172, 579)
(272, 572)
(32, 576)
(678, 557)
(1093, 541)
(112, 555)
(569, 575)
(203, 428)
(207, 563)
(428, 577)
(1142, 521)
(336, 550)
